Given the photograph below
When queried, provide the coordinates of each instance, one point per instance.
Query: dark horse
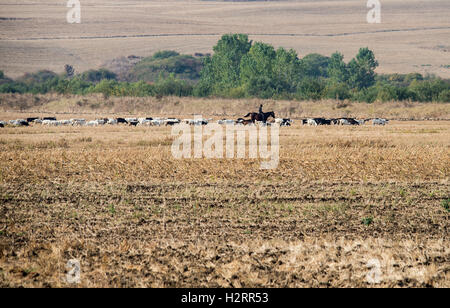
(262, 117)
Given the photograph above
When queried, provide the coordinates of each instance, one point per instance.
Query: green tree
(337, 69)
(286, 70)
(258, 64)
(362, 69)
(222, 71)
(314, 65)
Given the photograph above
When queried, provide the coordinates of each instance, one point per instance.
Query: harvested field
(34, 35)
(115, 199)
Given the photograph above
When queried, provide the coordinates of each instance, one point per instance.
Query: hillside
(413, 35)
(162, 64)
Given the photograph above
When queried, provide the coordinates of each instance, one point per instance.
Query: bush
(386, 93)
(261, 87)
(165, 54)
(105, 87)
(78, 86)
(368, 95)
(310, 88)
(338, 91)
(13, 87)
(238, 92)
(413, 76)
(140, 89)
(150, 69)
(446, 204)
(62, 86)
(96, 76)
(444, 96)
(38, 77)
(172, 86)
(45, 87)
(429, 90)
(202, 89)
(421, 90)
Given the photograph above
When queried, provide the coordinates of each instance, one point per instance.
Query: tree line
(240, 68)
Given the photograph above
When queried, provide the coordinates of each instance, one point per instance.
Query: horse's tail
(248, 114)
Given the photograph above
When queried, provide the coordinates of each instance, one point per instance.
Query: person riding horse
(261, 117)
(261, 113)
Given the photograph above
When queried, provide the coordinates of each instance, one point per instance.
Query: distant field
(413, 35)
(115, 199)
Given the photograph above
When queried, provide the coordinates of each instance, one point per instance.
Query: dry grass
(413, 35)
(114, 198)
(19, 106)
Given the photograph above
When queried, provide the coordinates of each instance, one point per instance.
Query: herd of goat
(343, 121)
(52, 121)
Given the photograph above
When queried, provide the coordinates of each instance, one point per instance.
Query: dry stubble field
(115, 199)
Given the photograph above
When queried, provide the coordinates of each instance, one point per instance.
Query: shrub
(429, 90)
(38, 77)
(446, 205)
(338, 91)
(13, 87)
(202, 89)
(367, 221)
(310, 88)
(368, 95)
(261, 87)
(238, 92)
(140, 89)
(172, 86)
(444, 96)
(96, 76)
(106, 87)
(165, 54)
(150, 69)
(386, 93)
